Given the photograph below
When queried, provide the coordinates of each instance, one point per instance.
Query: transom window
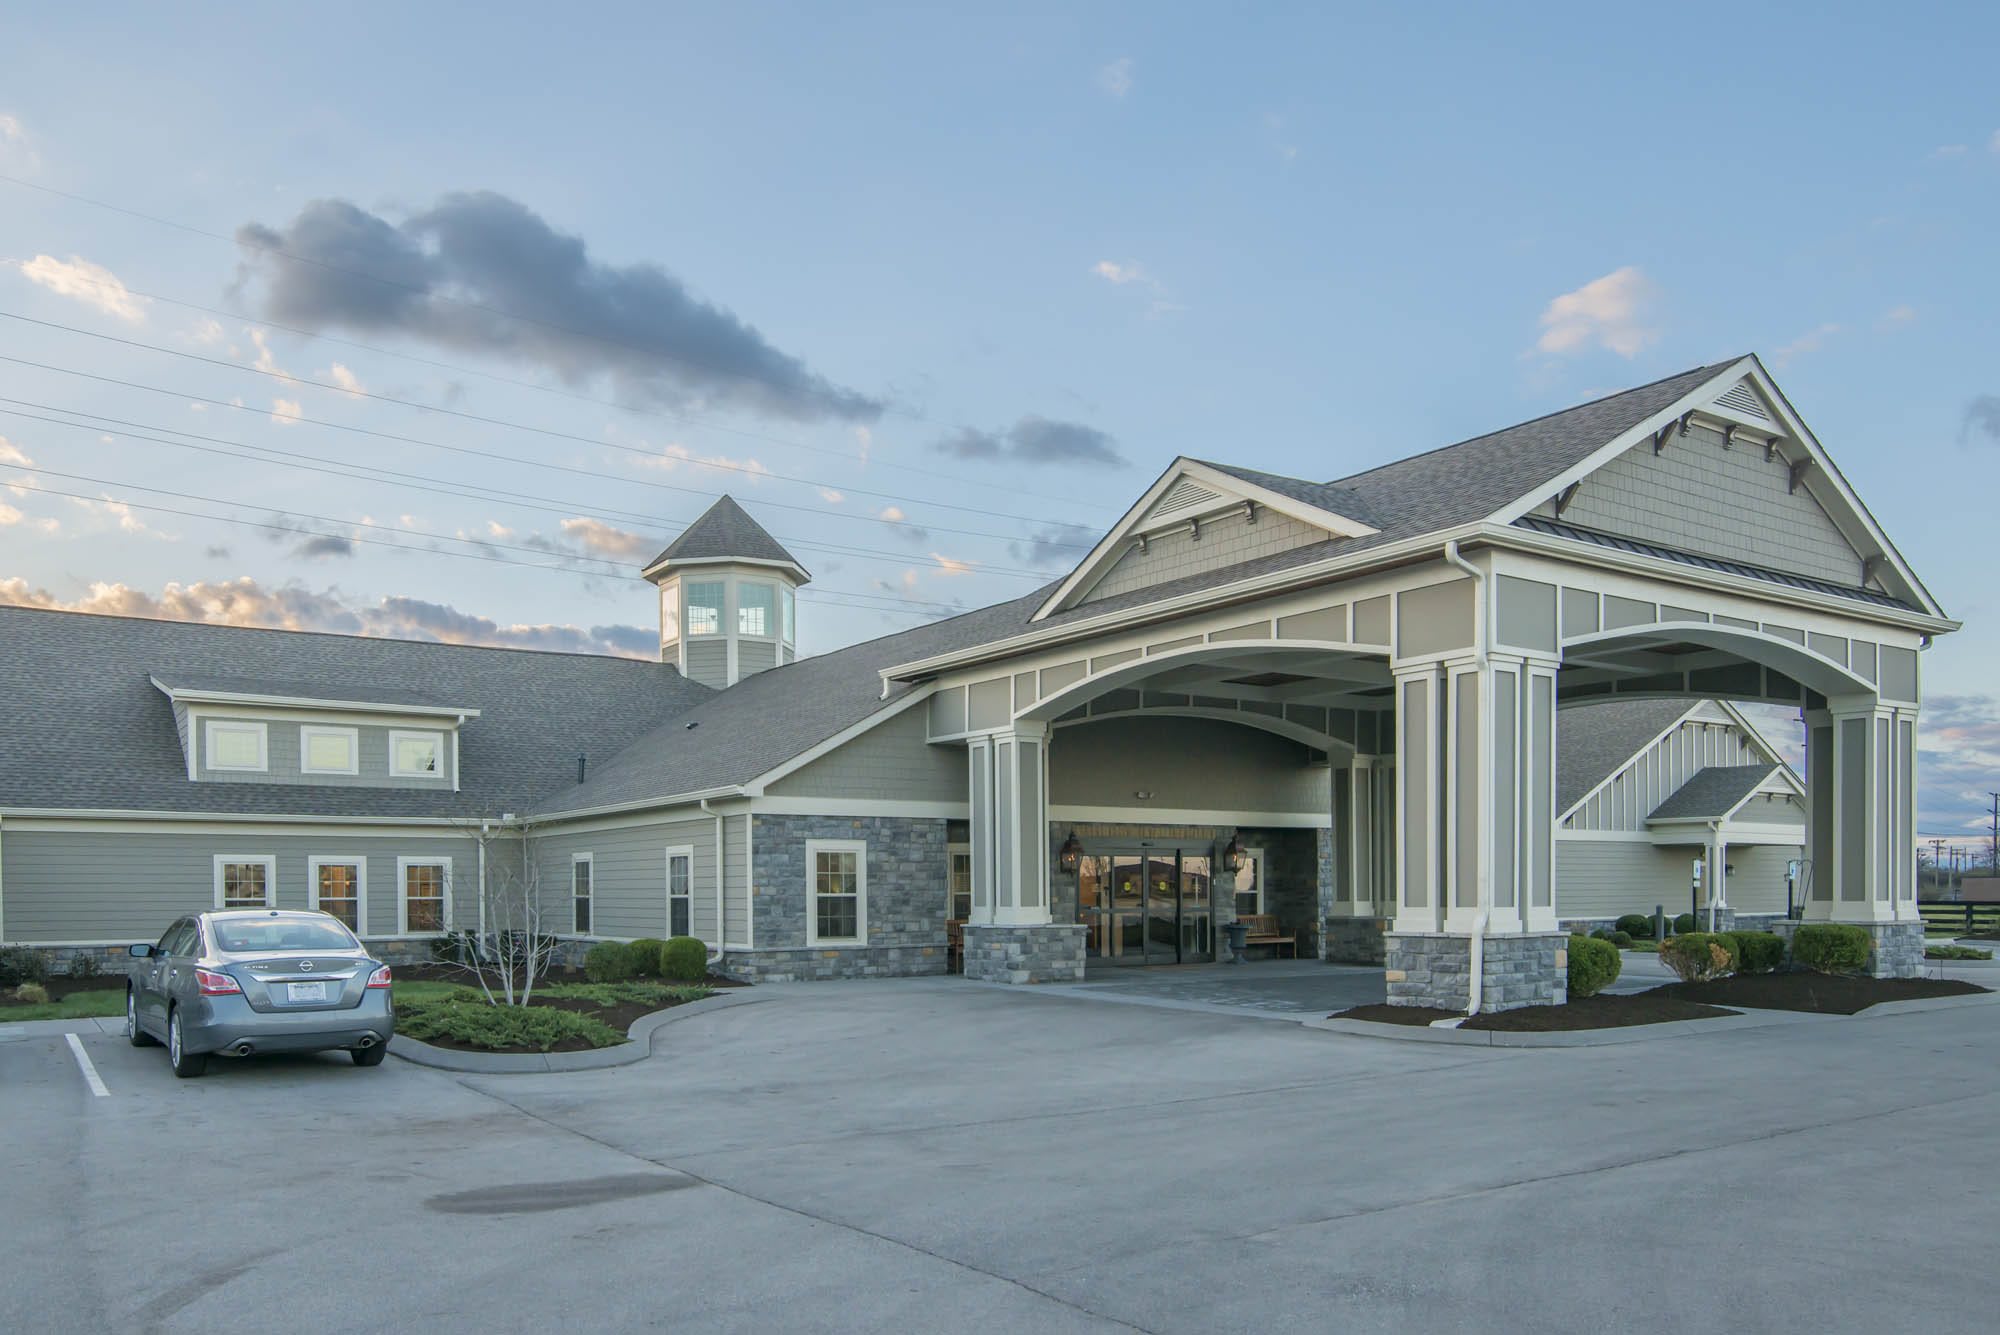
(245, 882)
(958, 891)
(704, 607)
(680, 892)
(329, 750)
(755, 608)
(837, 872)
(237, 746)
(336, 889)
(425, 884)
(579, 889)
(416, 755)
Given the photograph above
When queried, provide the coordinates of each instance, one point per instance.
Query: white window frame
(772, 630)
(858, 847)
(1254, 857)
(583, 860)
(788, 614)
(262, 732)
(688, 586)
(675, 851)
(352, 736)
(270, 865)
(397, 735)
(360, 865)
(403, 866)
(952, 852)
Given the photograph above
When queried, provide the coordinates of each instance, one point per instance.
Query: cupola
(728, 598)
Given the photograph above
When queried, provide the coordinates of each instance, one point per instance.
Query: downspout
(483, 836)
(1482, 635)
(721, 931)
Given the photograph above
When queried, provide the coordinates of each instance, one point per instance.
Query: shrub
(84, 966)
(684, 960)
(1621, 939)
(1601, 934)
(1697, 957)
(1832, 947)
(455, 948)
(470, 1020)
(610, 962)
(32, 993)
(1757, 952)
(646, 956)
(21, 965)
(1636, 924)
(1956, 953)
(1593, 965)
(1684, 923)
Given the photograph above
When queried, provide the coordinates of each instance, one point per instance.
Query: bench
(1264, 932)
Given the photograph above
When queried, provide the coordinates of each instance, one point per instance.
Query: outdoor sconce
(1232, 856)
(1070, 853)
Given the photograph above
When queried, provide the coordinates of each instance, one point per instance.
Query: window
(579, 890)
(426, 892)
(837, 888)
(958, 889)
(245, 882)
(237, 746)
(791, 612)
(680, 891)
(329, 751)
(242, 935)
(754, 610)
(416, 755)
(1250, 883)
(670, 613)
(704, 607)
(335, 885)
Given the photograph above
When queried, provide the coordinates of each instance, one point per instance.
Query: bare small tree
(510, 950)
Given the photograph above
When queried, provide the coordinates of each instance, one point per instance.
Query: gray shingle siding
(890, 762)
(1223, 542)
(628, 876)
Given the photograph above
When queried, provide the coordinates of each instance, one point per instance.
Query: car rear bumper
(229, 1021)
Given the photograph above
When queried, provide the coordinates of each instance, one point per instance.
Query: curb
(1573, 1038)
(640, 1046)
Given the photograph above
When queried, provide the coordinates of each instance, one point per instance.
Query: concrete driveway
(934, 1154)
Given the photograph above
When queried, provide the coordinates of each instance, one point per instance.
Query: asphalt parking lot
(934, 1154)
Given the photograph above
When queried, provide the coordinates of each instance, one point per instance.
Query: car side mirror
(139, 952)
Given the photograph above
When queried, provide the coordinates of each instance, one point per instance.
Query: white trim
(1100, 815)
(680, 563)
(1255, 857)
(352, 736)
(358, 861)
(184, 695)
(403, 865)
(858, 847)
(400, 735)
(270, 864)
(211, 727)
(640, 807)
(583, 860)
(671, 852)
(860, 806)
(147, 822)
(749, 879)
(951, 853)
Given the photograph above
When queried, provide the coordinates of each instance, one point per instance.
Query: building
(1333, 704)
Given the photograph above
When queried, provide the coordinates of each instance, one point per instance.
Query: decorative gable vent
(1183, 497)
(1743, 399)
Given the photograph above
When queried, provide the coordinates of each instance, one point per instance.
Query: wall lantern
(1232, 856)
(1070, 854)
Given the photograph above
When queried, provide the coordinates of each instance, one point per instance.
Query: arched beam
(1814, 671)
(1138, 671)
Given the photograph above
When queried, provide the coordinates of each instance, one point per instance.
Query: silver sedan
(258, 980)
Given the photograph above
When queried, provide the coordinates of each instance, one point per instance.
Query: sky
(439, 321)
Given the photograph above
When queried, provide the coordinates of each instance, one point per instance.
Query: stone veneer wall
(1520, 969)
(1047, 953)
(1898, 953)
(1356, 940)
(907, 875)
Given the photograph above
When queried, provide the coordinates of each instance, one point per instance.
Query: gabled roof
(1597, 739)
(725, 532)
(1713, 793)
(84, 727)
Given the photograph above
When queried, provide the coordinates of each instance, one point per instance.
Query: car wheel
(369, 1056)
(186, 1064)
(138, 1037)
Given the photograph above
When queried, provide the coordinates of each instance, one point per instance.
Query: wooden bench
(1264, 932)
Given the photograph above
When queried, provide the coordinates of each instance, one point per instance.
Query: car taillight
(214, 984)
(380, 978)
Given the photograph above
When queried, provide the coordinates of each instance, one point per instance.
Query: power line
(596, 442)
(899, 524)
(424, 482)
(667, 415)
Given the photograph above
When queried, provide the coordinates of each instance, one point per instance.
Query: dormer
(728, 598)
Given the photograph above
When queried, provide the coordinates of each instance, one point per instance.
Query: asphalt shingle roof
(1713, 792)
(347, 693)
(725, 531)
(1593, 740)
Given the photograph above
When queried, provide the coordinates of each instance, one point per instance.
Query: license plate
(305, 991)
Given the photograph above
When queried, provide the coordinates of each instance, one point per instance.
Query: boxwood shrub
(646, 956)
(1684, 923)
(1757, 952)
(1697, 957)
(683, 960)
(611, 962)
(1639, 925)
(1832, 947)
(1593, 965)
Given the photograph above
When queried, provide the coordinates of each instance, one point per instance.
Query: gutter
(1476, 980)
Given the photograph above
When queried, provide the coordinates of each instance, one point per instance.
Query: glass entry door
(1144, 907)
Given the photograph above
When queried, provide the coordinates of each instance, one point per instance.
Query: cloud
(216, 553)
(92, 284)
(206, 332)
(1056, 545)
(830, 496)
(1810, 341)
(483, 273)
(673, 456)
(346, 379)
(292, 606)
(1897, 316)
(602, 539)
(1116, 78)
(1111, 271)
(266, 361)
(1948, 151)
(319, 546)
(1958, 745)
(916, 534)
(11, 454)
(285, 412)
(1610, 311)
(16, 148)
(120, 514)
(1035, 440)
(1982, 415)
(947, 566)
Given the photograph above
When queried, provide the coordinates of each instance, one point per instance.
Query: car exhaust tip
(242, 1049)
(367, 1042)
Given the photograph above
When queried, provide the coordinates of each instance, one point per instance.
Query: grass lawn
(75, 1006)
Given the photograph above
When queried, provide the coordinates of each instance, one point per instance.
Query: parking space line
(90, 1076)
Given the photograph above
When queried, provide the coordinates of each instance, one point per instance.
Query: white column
(1861, 778)
(1009, 791)
(1419, 798)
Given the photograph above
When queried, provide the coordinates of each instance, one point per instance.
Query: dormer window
(237, 746)
(416, 755)
(704, 607)
(755, 608)
(325, 750)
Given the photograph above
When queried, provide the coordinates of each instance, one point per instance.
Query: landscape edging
(638, 1047)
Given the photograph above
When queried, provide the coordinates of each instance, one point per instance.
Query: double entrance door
(1145, 906)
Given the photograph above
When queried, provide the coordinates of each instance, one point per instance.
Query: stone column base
(1435, 969)
(1899, 946)
(1043, 953)
(1355, 940)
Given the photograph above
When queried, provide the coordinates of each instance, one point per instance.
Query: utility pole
(1937, 866)
(1996, 832)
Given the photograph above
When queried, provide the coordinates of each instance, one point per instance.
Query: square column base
(1355, 940)
(1519, 969)
(1041, 953)
(1898, 952)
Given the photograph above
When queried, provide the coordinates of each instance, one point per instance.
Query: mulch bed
(1603, 1011)
(1383, 1013)
(1822, 994)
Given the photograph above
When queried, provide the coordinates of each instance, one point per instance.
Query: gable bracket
(1142, 544)
(1798, 474)
(1194, 530)
(1565, 496)
(1770, 449)
(1869, 566)
(1679, 428)
(1729, 430)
